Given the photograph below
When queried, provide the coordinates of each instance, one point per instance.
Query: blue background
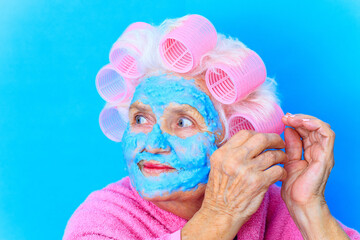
(52, 151)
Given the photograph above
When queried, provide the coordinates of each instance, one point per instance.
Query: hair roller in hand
(266, 124)
(125, 53)
(181, 49)
(229, 84)
(113, 122)
(111, 86)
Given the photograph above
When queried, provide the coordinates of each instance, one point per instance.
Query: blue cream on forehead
(190, 156)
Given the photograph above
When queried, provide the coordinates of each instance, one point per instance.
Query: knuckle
(268, 158)
(272, 155)
(254, 182)
(245, 133)
(243, 151)
(214, 157)
(243, 172)
(283, 173)
(332, 133)
(276, 155)
(323, 123)
(230, 167)
(273, 135)
(217, 157)
(261, 138)
(278, 171)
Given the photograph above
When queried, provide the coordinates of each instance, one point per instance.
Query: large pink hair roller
(113, 122)
(111, 86)
(229, 84)
(124, 56)
(182, 48)
(269, 124)
(138, 25)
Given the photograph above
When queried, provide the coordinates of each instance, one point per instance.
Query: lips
(154, 168)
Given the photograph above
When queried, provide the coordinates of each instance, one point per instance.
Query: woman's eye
(184, 122)
(140, 119)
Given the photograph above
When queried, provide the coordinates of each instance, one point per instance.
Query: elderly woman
(193, 176)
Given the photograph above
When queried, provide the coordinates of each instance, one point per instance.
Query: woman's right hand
(241, 173)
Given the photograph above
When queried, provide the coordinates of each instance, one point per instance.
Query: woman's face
(170, 137)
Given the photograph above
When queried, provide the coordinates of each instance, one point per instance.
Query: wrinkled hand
(306, 179)
(241, 173)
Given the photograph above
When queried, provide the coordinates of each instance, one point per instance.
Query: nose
(156, 142)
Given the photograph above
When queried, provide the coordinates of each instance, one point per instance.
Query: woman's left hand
(306, 179)
(303, 189)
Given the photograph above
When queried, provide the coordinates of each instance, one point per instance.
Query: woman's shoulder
(119, 194)
(117, 211)
(116, 191)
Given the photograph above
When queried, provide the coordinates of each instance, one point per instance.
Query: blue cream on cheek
(190, 156)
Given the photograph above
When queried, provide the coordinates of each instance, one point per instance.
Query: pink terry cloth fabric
(118, 212)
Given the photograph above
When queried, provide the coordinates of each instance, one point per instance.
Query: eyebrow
(185, 109)
(140, 107)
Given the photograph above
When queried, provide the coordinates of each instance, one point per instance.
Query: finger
(293, 144)
(298, 115)
(299, 122)
(274, 174)
(270, 158)
(306, 125)
(239, 138)
(319, 126)
(260, 142)
(288, 118)
(296, 123)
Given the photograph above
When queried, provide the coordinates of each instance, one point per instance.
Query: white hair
(257, 104)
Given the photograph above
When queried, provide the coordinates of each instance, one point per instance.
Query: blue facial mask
(190, 156)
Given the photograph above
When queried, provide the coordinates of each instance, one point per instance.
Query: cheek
(194, 152)
(141, 129)
(186, 133)
(131, 144)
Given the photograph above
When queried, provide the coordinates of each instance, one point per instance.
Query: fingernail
(292, 115)
(306, 119)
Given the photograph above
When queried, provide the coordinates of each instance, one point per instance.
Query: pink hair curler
(113, 123)
(111, 86)
(138, 25)
(229, 84)
(124, 56)
(125, 59)
(182, 48)
(268, 124)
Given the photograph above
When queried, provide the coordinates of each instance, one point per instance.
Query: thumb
(293, 144)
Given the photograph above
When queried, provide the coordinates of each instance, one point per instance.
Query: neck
(182, 208)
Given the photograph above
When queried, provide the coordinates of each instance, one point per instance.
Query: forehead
(159, 91)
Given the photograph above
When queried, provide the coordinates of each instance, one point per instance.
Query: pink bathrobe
(118, 212)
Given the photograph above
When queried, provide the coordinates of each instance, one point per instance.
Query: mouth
(154, 168)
